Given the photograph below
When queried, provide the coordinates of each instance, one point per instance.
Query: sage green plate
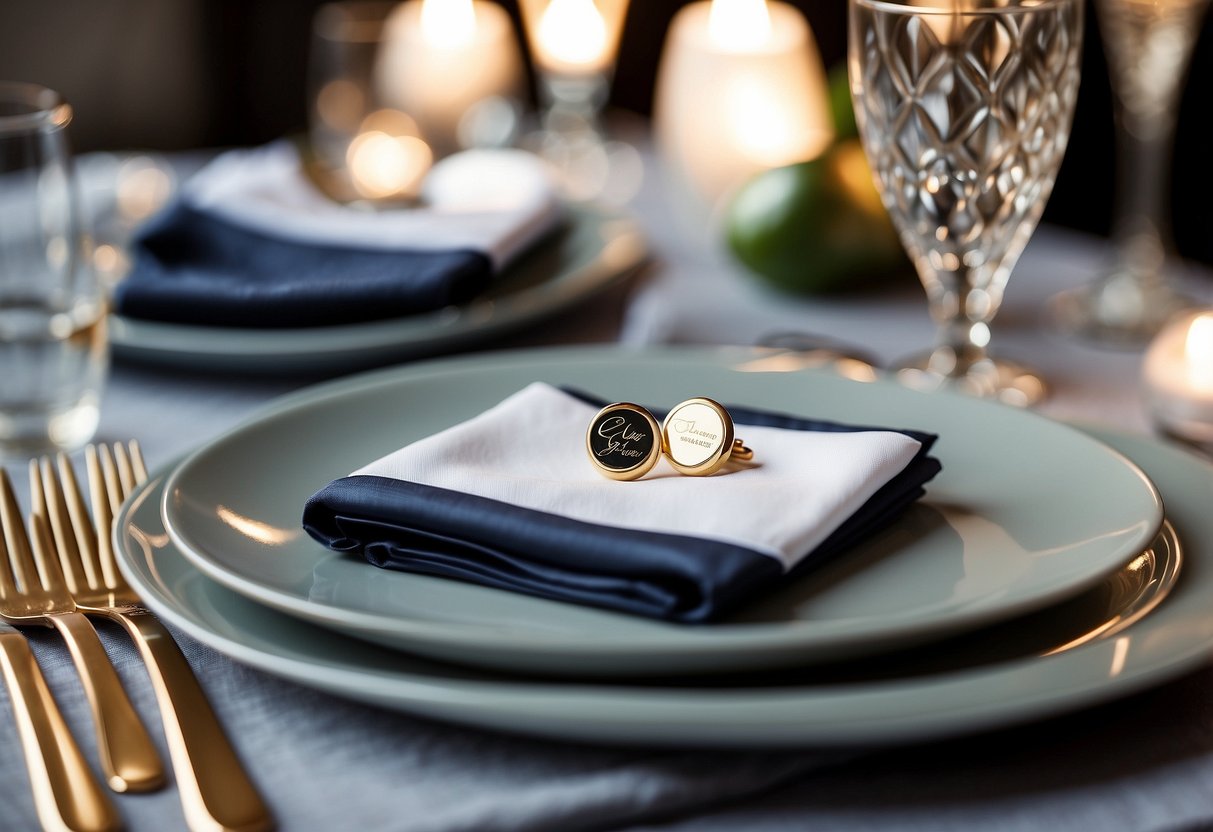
(595, 251)
(1026, 512)
(1057, 660)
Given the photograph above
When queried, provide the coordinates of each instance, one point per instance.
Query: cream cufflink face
(623, 441)
(697, 435)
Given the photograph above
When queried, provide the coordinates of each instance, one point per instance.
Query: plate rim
(447, 634)
(769, 717)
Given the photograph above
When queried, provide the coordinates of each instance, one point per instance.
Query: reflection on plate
(594, 252)
(953, 699)
(1000, 533)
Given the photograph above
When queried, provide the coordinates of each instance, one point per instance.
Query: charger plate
(595, 251)
(1071, 658)
(1026, 512)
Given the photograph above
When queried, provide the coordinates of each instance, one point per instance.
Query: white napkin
(529, 451)
(497, 202)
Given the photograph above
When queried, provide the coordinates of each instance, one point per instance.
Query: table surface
(324, 763)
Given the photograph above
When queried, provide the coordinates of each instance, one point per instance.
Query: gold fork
(216, 792)
(66, 794)
(36, 592)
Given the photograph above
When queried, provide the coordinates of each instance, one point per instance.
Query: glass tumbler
(53, 353)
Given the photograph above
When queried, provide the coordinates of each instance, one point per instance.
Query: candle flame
(448, 24)
(573, 31)
(1198, 352)
(739, 25)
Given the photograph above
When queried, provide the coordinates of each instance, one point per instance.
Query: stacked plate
(1038, 575)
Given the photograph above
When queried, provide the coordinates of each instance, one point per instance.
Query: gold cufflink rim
(644, 465)
(726, 449)
(725, 446)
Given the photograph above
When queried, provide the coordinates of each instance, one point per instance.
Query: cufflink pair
(624, 440)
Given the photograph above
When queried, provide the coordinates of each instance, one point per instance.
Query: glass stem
(573, 104)
(956, 350)
(1140, 230)
(1149, 46)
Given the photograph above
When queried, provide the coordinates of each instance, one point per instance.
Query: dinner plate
(595, 251)
(790, 709)
(1026, 512)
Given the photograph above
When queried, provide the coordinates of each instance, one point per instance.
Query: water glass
(341, 73)
(53, 354)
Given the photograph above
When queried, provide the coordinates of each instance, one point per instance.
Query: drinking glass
(341, 84)
(1149, 44)
(964, 111)
(53, 354)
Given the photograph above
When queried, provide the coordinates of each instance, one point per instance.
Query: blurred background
(177, 74)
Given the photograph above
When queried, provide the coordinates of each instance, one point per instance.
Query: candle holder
(741, 89)
(574, 44)
(1149, 44)
(1177, 377)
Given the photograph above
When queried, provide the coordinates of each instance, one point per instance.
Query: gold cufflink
(697, 435)
(623, 441)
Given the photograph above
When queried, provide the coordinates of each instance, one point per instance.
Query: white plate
(1174, 638)
(594, 252)
(1025, 512)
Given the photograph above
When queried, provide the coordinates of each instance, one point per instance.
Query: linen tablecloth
(1145, 763)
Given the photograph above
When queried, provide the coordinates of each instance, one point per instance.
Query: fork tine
(8, 581)
(110, 473)
(44, 552)
(102, 517)
(78, 520)
(126, 475)
(20, 557)
(137, 462)
(51, 506)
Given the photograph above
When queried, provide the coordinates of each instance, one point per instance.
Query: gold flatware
(216, 792)
(33, 590)
(66, 794)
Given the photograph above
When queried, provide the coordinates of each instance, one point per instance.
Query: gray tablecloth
(324, 763)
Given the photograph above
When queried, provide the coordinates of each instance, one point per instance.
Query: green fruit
(815, 226)
(840, 103)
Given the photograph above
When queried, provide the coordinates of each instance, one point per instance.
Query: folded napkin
(509, 499)
(252, 242)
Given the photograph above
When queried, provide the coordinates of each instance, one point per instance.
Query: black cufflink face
(623, 441)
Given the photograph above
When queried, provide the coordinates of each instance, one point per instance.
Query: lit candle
(1178, 376)
(574, 37)
(442, 58)
(741, 89)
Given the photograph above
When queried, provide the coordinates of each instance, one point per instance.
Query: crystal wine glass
(965, 109)
(1149, 44)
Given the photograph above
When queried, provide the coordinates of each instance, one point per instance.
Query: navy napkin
(509, 500)
(252, 243)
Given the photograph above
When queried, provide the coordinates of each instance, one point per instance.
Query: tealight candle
(741, 89)
(442, 58)
(1178, 377)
